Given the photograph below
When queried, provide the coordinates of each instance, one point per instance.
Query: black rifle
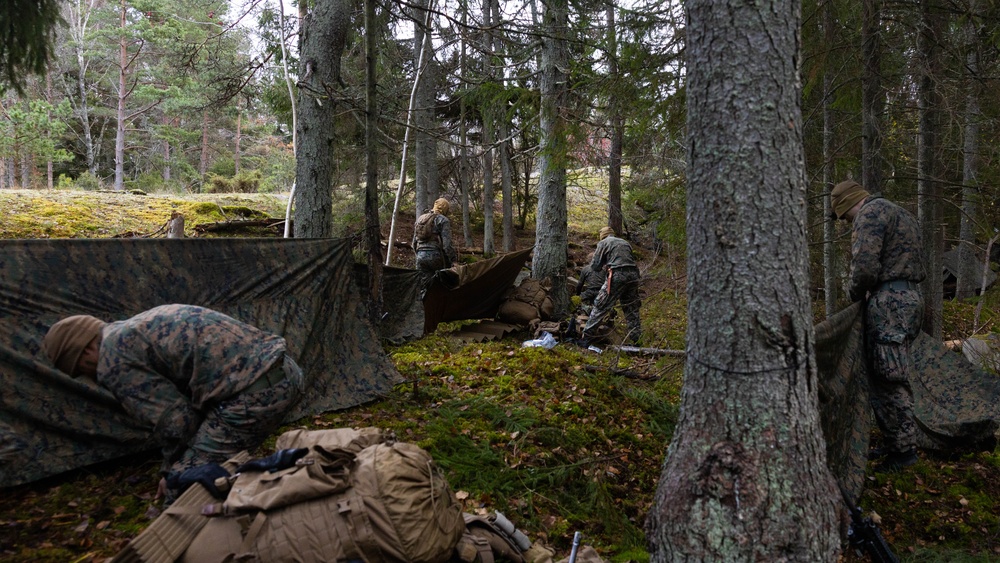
(864, 535)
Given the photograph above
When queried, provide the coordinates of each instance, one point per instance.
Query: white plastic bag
(547, 341)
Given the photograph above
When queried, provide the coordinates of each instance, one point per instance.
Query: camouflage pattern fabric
(624, 288)
(207, 384)
(956, 406)
(402, 317)
(301, 290)
(589, 285)
(893, 318)
(885, 246)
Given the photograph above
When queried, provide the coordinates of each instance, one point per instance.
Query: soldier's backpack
(423, 229)
(356, 495)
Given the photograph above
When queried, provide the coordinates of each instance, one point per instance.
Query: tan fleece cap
(606, 232)
(65, 340)
(845, 195)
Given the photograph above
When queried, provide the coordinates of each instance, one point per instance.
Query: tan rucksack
(356, 495)
(423, 229)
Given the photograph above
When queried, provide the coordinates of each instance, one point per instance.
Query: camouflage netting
(956, 405)
(300, 289)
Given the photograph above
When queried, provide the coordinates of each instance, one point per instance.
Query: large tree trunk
(872, 96)
(745, 476)
(928, 183)
(324, 34)
(373, 231)
(967, 277)
(424, 145)
(551, 244)
(617, 129)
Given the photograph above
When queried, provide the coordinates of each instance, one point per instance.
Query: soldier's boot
(897, 460)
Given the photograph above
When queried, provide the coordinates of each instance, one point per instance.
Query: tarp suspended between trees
(956, 405)
(473, 291)
(300, 289)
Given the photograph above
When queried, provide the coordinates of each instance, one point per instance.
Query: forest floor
(559, 440)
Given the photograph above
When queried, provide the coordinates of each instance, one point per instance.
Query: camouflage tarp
(955, 404)
(402, 318)
(300, 289)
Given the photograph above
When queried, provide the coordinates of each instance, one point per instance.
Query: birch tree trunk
(551, 236)
(745, 477)
(324, 34)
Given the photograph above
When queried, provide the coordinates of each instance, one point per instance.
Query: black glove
(281, 459)
(203, 474)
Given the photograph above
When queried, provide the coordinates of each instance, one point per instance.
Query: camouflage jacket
(441, 226)
(612, 252)
(885, 246)
(166, 365)
(590, 281)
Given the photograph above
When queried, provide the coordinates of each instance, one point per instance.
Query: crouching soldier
(621, 284)
(208, 385)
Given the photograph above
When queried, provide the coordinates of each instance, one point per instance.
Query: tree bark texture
(424, 145)
(373, 231)
(966, 283)
(324, 33)
(872, 96)
(617, 129)
(551, 235)
(830, 269)
(745, 477)
(929, 213)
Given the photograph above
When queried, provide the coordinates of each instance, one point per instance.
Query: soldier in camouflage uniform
(886, 266)
(208, 385)
(589, 284)
(432, 239)
(621, 284)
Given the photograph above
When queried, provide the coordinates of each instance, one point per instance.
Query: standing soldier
(432, 239)
(886, 266)
(207, 385)
(621, 284)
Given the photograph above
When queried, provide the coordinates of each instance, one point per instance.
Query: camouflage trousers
(430, 260)
(245, 421)
(623, 288)
(892, 321)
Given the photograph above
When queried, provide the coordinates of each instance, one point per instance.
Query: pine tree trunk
(928, 183)
(967, 278)
(551, 236)
(745, 477)
(324, 34)
(872, 96)
(373, 232)
(617, 126)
